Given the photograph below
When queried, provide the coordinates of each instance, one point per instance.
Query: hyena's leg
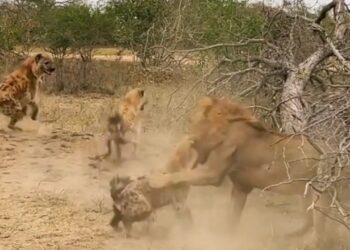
(137, 131)
(128, 226)
(109, 148)
(105, 155)
(15, 117)
(134, 145)
(17, 114)
(35, 110)
(118, 150)
(119, 142)
(116, 219)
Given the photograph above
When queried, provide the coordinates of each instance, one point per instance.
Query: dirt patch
(49, 220)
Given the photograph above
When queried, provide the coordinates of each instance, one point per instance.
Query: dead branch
(338, 55)
(324, 12)
(214, 46)
(250, 89)
(267, 188)
(268, 62)
(332, 217)
(196, 83)
(229, 76)
(326, 118)
(293, 111)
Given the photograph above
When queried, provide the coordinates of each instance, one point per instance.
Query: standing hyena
(130, 108)
(18, 89)
(116, 136)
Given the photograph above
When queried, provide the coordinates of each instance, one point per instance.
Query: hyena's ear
(38, 57)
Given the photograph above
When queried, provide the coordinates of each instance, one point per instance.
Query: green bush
(137, 24)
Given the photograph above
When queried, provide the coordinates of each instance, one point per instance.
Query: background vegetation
(142, 27)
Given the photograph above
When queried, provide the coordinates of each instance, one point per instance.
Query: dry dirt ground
(52, 196)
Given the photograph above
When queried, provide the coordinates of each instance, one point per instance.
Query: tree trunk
(292, 105)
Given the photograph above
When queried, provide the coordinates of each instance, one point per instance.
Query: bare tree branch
(324, 12)
(214, 46)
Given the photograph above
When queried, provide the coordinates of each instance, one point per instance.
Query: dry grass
(89, 112)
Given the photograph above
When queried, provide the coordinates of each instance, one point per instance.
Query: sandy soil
(53, 197)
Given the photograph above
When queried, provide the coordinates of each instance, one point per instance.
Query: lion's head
(215, 110)
(212, 121)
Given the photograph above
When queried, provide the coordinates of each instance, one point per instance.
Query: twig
(332, 217)
(196, 83)
(284, 183)
(214, 46)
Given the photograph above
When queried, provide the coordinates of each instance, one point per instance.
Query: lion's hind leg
(239, 196)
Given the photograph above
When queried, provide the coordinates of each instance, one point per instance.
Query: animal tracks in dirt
(19, 147)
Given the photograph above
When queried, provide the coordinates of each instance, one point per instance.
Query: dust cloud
(53, 197)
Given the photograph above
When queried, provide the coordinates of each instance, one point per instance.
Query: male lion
(18, 89)
(135, 200)
(240, 147)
